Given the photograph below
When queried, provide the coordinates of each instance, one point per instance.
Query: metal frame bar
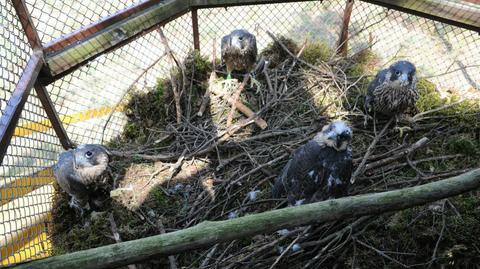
(27, 24)
(431, 9)
(15, 104)
(96, 27)
(113, 36)
(196, 33)
(52, 114)
(343, 40)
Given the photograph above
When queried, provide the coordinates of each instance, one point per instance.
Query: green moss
(429, 96)
(463, 145)
(275, 54)
(317, 52)
(417, 230)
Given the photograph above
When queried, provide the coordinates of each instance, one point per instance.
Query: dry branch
(209, 233)
(236, 97)
(238, 105)
(176, 93)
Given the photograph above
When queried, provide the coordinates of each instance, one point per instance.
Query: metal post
(27, 24)
(196, 34)
(343, 40)
(15, 104)
(53, 116)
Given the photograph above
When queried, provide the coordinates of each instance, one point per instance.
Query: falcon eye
(88, 154)
(397, 73)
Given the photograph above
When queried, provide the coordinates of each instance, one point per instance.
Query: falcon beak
(75, 162)
(404, 79)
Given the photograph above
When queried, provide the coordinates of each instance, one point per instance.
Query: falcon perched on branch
(239, 52)
(320, 169)
(394, 90)
(82, 173)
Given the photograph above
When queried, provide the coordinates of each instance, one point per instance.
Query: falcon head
(242, 39)
(402, 74)
(90, 157)
(336, 135)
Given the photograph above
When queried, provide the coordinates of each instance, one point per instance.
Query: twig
(439, 236)
(289, 246)
(235, 99)
(240, 106)
(420, 143)
(176, 93)
(209, 256)
(419, 116)
(361, 166)
(211, 81)
(171, 258)
(381, 253)
(116, 235)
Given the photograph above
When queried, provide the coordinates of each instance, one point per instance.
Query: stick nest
(176, 175)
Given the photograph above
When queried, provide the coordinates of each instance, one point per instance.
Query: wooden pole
(211, 232)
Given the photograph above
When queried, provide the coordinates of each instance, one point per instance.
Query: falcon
(239, 52)
(393, 91)
(83, 173)
(320, 169)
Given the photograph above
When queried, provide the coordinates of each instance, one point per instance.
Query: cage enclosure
(145, 79)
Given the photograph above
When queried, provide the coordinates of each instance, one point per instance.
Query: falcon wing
(372, 86)
(302, 173)
(67, 180)
(225, 44)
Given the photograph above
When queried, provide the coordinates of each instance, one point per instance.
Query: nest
(173, 174)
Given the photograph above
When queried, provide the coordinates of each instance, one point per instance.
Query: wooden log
(211, 232)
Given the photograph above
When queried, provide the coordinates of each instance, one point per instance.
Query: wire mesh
(85, 99)
(14, 51)
(54, 18)
(26, 190)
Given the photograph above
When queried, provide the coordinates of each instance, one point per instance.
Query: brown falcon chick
(83, 173)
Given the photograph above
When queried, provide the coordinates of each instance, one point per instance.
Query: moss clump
(197, 66)
(466, 113)
(362, 63)
(275, 54)
(317, 52)
(429, 96)
(145, 110)
(463, 145)
(417, 230)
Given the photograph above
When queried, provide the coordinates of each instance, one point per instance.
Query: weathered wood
(15, 104)
(115, 35)
(52, 115)
(209, 233)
